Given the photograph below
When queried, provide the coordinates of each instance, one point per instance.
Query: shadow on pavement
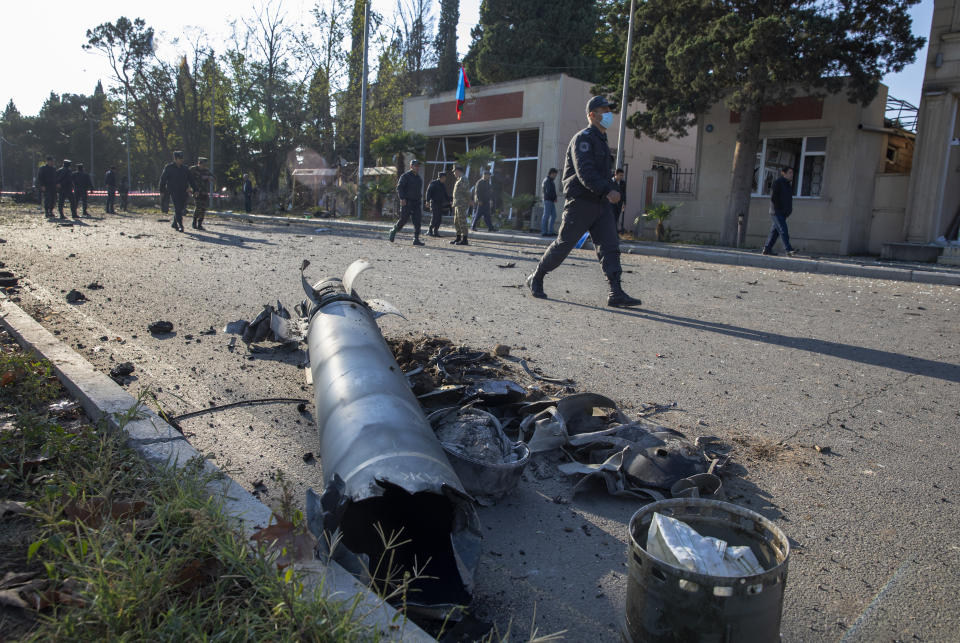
(870, 356)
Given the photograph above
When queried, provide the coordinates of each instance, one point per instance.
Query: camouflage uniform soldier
(461, 203)
(201, 177)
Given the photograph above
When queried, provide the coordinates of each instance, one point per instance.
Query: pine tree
(533, 38)
(446, 45)
(689, 55)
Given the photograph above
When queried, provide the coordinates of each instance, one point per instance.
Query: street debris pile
(414, 432)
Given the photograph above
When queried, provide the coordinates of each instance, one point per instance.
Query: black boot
(463, 241)
(535, 284)
(455, 242)
(417, 242)
(619, 299)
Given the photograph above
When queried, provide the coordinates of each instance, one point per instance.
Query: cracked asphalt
(774, 363)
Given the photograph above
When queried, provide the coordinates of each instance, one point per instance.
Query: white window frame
(799, 173)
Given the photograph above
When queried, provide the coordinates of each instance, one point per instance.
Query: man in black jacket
(47, 184)
(81, 185)
(483, 196)
(439, 201)
(110, 183)
(65, 189)
(549, 204)
(781, 206)
(410, 193)
(176, 180)
(588, 192)
(247, 193)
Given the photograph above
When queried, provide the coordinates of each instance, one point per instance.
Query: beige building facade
(934, 194)
(851, 175)
(528, 122)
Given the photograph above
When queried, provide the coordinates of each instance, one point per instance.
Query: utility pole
(213, 94)
(91, 143)
(363, 108)
(126, 118)
(623, 98)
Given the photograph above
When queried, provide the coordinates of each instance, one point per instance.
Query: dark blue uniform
(47, 183)
(174, 181)
(586, 183)
(410, 190)
(81, 185)
(781, 206)
(110, 182)
(439, 201)
(65, 190)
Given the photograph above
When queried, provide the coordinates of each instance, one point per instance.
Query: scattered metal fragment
(75, 296)
(543, 378)
(160, 327)
(96, 285)
(496, 392)
(121, 370)
(8, 279)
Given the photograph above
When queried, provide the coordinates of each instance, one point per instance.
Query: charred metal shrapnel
(383, 467)
(487, 462)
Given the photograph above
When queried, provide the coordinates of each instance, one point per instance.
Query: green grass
(130, 553)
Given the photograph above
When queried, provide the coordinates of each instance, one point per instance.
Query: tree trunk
(741, 177)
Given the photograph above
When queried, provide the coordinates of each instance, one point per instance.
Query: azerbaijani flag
(462, 85)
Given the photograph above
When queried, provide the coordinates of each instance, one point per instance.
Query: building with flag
(528, 122)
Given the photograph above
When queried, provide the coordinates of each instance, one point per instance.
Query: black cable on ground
(266, 400)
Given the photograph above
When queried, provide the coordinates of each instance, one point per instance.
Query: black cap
(66, 162)
(178, 154)
(415, 162)
(202, 159)
(597, 101)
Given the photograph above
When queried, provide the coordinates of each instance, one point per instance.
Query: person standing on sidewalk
(588, 191)
(82, 184)
(549, 204)
(410, 193)
(124, 189)
(201, 180)
(461, 203)
(110, 183)
(781, 206)
(483, 194)
(247, 194)
(65, 189)
(439, 201)
(47, 184)
(176, 180)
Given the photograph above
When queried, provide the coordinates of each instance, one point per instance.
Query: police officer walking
(65, 189)
(439, 201)
(410, 191)
(201, 179)
(175, 181)
(82, 183)
(589, 193)
(110, 183)
(549, 204)
(47, 184)
(483, 194)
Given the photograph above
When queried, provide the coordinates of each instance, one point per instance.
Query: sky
(33, 66)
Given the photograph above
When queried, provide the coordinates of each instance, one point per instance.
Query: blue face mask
(606, 120)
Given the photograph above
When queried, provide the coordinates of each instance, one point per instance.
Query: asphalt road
(772, 362)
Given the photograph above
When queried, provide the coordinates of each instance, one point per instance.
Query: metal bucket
(669, 603)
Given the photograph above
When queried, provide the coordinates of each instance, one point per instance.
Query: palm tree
(393, 147)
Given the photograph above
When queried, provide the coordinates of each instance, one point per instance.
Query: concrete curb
(671, 251)
(162, 446)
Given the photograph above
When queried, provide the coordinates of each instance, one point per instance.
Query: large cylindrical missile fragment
(384, 470)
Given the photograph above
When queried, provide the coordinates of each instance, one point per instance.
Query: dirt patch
(764, 450)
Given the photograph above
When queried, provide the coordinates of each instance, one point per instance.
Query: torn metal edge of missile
(386, 476)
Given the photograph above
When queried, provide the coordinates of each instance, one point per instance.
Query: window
(806, 155)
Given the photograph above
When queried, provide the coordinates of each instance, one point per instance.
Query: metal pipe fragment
(382, 464)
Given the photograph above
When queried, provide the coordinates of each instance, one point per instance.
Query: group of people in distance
(66, 186)
(592, 204)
